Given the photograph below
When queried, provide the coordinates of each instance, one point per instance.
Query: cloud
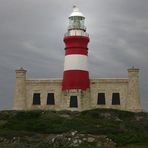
(31, 35)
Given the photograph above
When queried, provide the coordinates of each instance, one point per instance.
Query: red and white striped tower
(76, 75)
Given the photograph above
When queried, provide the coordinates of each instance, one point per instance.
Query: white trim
(75, 62)
(76, 32)
(76, 12)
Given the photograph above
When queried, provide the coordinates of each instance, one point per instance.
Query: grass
(121, 126)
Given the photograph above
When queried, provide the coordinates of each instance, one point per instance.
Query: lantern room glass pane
(76, 22)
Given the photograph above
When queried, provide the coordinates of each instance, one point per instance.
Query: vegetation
(122, 127)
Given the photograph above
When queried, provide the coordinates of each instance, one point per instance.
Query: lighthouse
(76, 75)
(76, 92)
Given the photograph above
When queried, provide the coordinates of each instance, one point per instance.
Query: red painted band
(75, 79)
(76, 41)
(76, 37)
(76, 51)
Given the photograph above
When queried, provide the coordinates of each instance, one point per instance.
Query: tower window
(73, 101)
(101, 99)
(115, 99)
(36, 99)
(50, 99)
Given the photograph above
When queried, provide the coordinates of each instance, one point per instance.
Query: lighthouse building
(76, 91)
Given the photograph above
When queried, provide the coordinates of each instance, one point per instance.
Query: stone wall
(128, 88)
(109, 86)
(20, 91)
(43, 87)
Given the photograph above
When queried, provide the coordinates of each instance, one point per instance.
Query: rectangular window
(50, 99)
(73, 101)
(115, 99)
(101, 99)
(36, 99)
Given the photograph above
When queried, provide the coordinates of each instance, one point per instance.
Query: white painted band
(77, 33)
(76, 62)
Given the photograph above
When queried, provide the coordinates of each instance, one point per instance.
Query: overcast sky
(31, 35)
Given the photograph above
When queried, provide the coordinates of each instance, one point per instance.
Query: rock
(52, 140)
(84, 139)
(99, 145)
(80, 141)
(106, 115)
(90, 139)
(74, 133)
(117, 119)
(75, 143)
(138, 118)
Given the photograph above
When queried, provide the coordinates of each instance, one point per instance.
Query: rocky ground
(71, 139)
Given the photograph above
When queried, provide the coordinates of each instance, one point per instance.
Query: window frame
(102, 99)
(50, 101)
(116, 99)
(36, 99)
(73, 102)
